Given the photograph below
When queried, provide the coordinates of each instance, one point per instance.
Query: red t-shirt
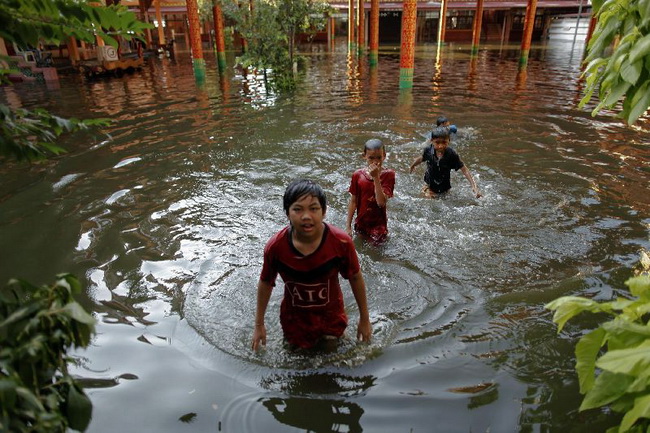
(313, 302)
(371, 219)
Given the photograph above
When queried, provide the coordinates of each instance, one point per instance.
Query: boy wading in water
(309, 254)
(370, 189)
(441, 159)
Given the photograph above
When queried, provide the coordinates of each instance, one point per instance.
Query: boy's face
(306, 217)
(440, 144)
(375, 156)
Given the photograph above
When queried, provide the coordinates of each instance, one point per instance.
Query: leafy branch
(624, 72)
(38, 326)
(613, 361)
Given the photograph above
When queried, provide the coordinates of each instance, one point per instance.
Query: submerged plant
(613, 361)
(38, 326)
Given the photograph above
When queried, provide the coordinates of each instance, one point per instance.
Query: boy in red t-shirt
(309, 254)
(370, 189)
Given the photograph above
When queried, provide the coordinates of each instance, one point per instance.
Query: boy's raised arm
(364, 329)
(263, 295)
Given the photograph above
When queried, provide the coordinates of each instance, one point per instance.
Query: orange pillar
(374, 32)
(478, 22)
(195, 37)
(73, 50)
(351, 25)
(219, 36)
(161, 29)
(407, 49)
(529, 25)
(361, 24)
(442, 29)
(592, 26)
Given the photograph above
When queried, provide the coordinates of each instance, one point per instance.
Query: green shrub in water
(38, 325)
(613, 361)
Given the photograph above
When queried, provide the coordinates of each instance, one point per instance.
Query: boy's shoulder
(276, 238)
(339, 235)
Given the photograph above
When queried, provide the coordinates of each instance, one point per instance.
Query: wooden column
(195, 38)
(145, 18)
(351, 39)
(73, 51)
(442, 25)
(374, 32)
(529, 25)
(220, 40)
(361, 24)
(407, 49)
(161, 29)
(478, 22)
(592, 26)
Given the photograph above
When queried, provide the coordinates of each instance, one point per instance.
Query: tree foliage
(38, 326)
(613, 361)
(271, 30)
(26, 134)
(28, 22)
(624, 72)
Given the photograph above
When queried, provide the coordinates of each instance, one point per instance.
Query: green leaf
(567, 307)
(587, 350)
(641, 409)
(607, 388)
(627, 361)
(79, 409)
(640, 49)
(77, 312)
(639, 103)
(631, 71)
(29, 398)
(639, 286)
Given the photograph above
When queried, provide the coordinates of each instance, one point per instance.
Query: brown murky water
(165, 214)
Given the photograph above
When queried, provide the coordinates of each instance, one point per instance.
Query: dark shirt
(438, 174)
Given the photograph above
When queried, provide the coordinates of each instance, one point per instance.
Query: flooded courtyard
(164, 215)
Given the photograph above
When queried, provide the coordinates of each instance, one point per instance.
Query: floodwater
(165, 213)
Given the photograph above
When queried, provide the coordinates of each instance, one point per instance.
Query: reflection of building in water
(318, 415)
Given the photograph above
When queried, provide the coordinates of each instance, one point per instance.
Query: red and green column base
(373, 57)
(523, 60)
(405, 78)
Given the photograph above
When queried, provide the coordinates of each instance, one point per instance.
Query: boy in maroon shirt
(370, 189)
(309, 254)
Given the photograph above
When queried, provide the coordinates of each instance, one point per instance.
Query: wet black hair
(441, 120)
(373, 144)
(439, 132)
(300, 187)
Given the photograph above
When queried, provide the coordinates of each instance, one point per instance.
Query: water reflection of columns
(407, 50)
(471, 76)
(373, 76)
